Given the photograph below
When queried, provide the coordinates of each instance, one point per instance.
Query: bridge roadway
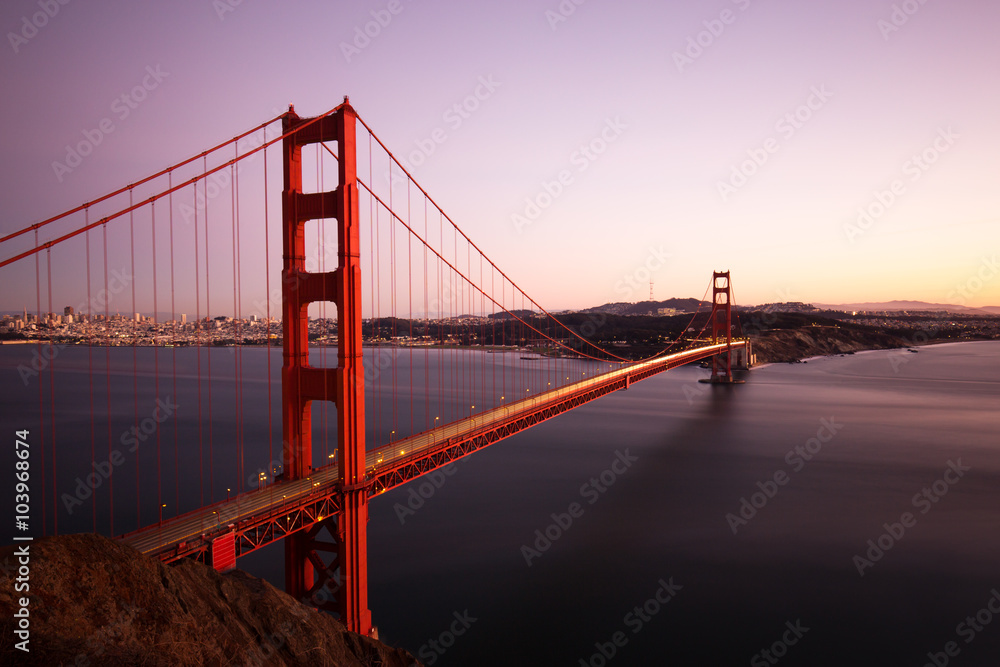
(259, 517)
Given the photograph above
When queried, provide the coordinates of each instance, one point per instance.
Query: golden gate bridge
(401, 264)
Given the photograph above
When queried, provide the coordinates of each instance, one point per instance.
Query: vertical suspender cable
(372, 268)
(198, 339)
(208, 316)
(267, 323)
(239, 325)
(135, 358)
(107, 367)
(409, 280)
(377, 270)
(90, 365)
(427, 320)
(440, 316)
(156, 363)
(235, 330)
(235, 327)
(41, 395)
(52, 403)
(173, 348)
(392, 302)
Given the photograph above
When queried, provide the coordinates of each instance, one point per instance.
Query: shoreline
(494, 349)
(929, 343)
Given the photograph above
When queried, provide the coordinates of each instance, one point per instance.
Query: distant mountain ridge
(910, 305)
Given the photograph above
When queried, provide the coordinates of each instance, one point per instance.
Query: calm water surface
(880, 437)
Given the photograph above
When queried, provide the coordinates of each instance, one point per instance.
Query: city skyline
(822, 154)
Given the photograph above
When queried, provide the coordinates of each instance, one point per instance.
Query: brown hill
(95, 601)
(778, 345)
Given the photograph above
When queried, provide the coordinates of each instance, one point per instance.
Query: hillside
(786, 345)
(648, 307)
(97, 601)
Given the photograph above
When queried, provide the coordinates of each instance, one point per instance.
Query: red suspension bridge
(402, 277)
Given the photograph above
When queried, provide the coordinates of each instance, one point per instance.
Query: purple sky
(678, 120)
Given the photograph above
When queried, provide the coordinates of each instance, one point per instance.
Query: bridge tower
(307, 576)
(722, 327)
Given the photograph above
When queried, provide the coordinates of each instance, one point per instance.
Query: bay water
(840, 512)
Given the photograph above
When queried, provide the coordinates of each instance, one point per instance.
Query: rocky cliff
(95, 601)
(785, 345)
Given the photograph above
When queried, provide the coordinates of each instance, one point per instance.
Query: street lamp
(161, 514)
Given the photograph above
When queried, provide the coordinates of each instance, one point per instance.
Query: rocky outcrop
(789, 345)
(95, 601)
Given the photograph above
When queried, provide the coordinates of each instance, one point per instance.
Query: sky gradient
(737, 135)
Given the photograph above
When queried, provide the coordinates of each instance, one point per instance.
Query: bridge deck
(263, 516)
